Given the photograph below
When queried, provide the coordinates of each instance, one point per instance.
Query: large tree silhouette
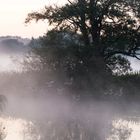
(106, 30)
(111, 26)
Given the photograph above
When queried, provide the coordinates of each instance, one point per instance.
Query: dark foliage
(110, 26)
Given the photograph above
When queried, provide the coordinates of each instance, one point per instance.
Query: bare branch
(70, 2)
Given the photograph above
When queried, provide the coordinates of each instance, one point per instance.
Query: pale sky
(14, 12)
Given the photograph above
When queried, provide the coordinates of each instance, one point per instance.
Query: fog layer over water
(53, 117)
(32, 112)
(59, 118)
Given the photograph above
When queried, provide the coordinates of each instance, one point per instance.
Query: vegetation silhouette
(89, 42)
(109, 27)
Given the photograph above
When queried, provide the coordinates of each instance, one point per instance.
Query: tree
(111, 26)
(107, 30)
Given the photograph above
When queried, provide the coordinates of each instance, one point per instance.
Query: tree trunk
(94, 22)
(83, 25)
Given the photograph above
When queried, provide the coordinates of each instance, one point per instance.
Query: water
(21, 129)
(124, 129)
(17, 129)
(50, 118)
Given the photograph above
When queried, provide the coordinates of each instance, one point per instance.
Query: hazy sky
(14, 12)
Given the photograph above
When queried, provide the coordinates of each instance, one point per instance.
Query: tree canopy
(111, 26)
(89, 38)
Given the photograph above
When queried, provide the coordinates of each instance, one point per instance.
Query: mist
(12, 52)
(57, 116)
(61, 114)
(80, 80)
(41, 111)
(60, 117)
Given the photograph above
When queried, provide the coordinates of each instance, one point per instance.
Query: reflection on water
(20, 129)
(53, 119)
(17, 129)
(125, 130)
